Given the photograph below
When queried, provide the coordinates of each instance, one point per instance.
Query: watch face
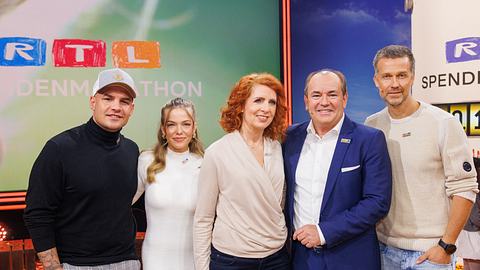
(450, 249)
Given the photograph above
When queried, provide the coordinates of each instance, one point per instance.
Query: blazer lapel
(293, 154)
(343, 142)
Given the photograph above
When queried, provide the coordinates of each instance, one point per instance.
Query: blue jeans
(397, 258)
(277, 261)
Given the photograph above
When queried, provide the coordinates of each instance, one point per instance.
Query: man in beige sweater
(434, 181)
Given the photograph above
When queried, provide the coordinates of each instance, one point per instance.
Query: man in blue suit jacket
(339, 182)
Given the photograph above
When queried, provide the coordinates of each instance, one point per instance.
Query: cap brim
(123, 86)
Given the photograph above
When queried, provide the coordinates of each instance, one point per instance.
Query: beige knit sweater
(429, 155)
(239, 202)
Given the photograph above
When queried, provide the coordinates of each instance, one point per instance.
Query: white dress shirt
(311, 176)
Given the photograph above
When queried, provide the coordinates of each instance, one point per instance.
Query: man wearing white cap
(82, 183)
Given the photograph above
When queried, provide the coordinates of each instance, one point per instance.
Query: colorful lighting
(3, 233)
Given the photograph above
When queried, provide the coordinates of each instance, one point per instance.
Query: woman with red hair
(239, 223)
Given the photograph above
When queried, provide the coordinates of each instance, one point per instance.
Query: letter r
(22, 51)
(464, 47)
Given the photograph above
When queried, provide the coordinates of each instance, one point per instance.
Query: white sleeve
(320, 235)
(144, 160)
(457, 159)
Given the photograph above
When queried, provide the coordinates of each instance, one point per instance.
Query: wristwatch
(449, 248)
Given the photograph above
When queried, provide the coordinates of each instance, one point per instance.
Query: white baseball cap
(114, 76)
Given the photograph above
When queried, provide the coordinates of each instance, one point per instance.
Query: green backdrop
(209, 44)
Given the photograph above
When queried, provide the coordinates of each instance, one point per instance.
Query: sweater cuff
(42, 238)
(469, 195)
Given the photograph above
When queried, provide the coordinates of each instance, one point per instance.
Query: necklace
(252, 146)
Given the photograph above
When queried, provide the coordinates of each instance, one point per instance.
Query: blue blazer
(353, 200)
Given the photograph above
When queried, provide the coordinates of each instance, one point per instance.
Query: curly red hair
(232, 115)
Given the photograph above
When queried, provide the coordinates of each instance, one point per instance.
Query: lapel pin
(406, 134)
(344, 140)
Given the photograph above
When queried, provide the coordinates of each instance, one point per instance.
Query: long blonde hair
(160, 150)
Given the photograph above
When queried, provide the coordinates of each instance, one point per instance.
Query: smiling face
(394, 79)
(111, 108)
(260, 108)
(325, 101)
(179, 128)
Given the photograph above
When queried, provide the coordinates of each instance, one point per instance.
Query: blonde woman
(169, 175)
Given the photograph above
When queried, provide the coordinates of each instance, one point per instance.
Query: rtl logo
(462, 50)
(24, 51)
